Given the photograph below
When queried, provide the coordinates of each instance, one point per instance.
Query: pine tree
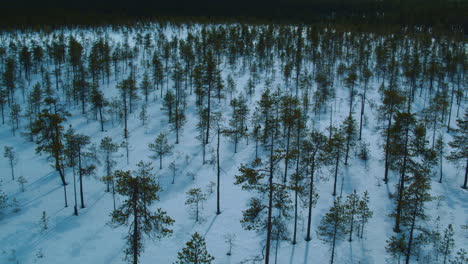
(408, 151)
(231, 86)
(15, 114)
(127, 92)
(259, 214)
(74, 150)
(158, 73)
(49, 131)
(350, 82)
(3, 100)
(99, 102)
(238, 122)
(333, 225)
(314, 148)
(349, 129)
(81, 88)
(44, 222)
(145, 86)
(351, 207)
(440, 151)
(392, 100)
(3, 199)
(201, 127)
(413, 213)
(459, 146)
(447, 244)
(161, 148)
(143, 116)
(335, 152)
(141, 192)
(434, 114)
(25, 61)
(364, 213)
(195, 196)
(9, 78)
(194, 252)
(10, 153)
(396, 246)
(289, 116)
(108, 148)
(22, 181)
(169, 105)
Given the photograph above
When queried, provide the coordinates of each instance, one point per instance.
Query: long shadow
(291, 258)
(39, 182)
(306, 254)
(211, 224)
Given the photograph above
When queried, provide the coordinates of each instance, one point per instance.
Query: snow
(88, 238)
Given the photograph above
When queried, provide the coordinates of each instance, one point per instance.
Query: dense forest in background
(442, 14)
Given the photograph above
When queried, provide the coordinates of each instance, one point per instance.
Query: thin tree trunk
(81, 179)
(75, 208)
(296, 181)
(209, 114)
(135, 228)
(311, 196)
(102, 120)
(387, 152)
(441, 159)
(218, 211)
(336, 174)
(12, 166)
(270, 204)
(410, 241)
(65, 194)
(466, 175)
(401, 184)
(286, 160)
(333, 244)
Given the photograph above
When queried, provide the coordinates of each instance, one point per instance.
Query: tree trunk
(387, 152)
(75, 208)
(81, 179)
(65, 194)
(410, 241)
(286, 159)
(3, 114)
(336, 174)
(218, 211)
(209, 114)
(102, 120)
(441, 159)
(333, 244)
(466, 175)
(177, 120)
(348, 142)
(108, 170)
(296, 181)
(59, 169)
(12, 166)
(311, 190)
(351, 227)
(401, 184)
(270, 204)
(125, 117)
(135, 228)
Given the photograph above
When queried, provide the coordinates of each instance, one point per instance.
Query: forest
(177, 141)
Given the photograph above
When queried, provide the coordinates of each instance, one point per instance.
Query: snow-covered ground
(88, 238)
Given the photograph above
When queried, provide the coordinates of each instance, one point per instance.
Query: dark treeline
(411, 12)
